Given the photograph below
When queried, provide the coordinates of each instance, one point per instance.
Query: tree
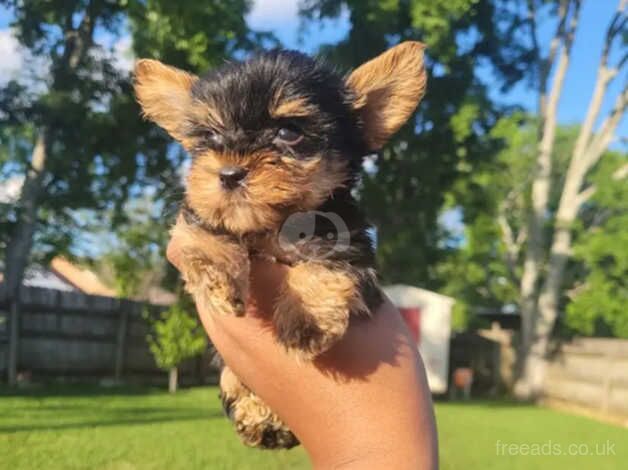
(193, 35)
(72, 115)
(134, 260)
(176, 337)
(63, 107)
(69, 55)
(537, 189)
(598, 301)
(483, 268)
(546, 254)
(405, 189)
(67, 111)
(454, 124)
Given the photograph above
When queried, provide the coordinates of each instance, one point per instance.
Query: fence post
(14, 338)
(123, 321)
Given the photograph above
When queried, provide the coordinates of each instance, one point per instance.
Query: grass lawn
(96, 428)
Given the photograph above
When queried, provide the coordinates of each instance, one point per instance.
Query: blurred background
(500, 214)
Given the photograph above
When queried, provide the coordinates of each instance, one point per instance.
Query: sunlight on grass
(139, 428)
(494, 435)
(126, 429)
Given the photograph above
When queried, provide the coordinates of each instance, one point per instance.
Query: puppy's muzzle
(232, 176)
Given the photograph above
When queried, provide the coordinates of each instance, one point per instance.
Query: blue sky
(281, 17)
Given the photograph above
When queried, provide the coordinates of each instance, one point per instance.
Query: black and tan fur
(299, 132)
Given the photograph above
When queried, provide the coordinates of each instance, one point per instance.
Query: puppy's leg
(255, 422)
(315, 304)
(214, 267)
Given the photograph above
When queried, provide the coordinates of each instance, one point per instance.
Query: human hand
(363, 404)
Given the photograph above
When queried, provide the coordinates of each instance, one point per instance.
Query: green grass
(90, 428)
(95, 428)
(479, 435)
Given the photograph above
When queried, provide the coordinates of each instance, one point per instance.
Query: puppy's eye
(212, 137)
(289, 136)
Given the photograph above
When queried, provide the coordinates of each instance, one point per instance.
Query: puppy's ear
(164, 94)
(388, 90)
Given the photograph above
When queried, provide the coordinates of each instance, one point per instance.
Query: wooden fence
(586, 375)
(67, 334)
(591, 373)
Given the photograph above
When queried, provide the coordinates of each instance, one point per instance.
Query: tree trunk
(533, 369)
(19, 245)
(541, 183)
(76, 44)
(536, 250)
(586, 153)
(534, 258)
(582, 160)
(173, 380)
(546, 310)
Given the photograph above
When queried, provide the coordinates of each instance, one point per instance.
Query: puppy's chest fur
(333, 237)
(336, 233)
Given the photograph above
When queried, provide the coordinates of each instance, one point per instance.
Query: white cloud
(16, 62)
(281, 17)
(116, 48)
(11, 55)
(123, 53)
(10, 189)
(271, 14)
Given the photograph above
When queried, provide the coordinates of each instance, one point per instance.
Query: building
(428, 316)
(64, 275)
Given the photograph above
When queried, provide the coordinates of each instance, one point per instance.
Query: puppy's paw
(216, 289)
(307, 333)
(215, 268)
(313, 311)
(256, 424)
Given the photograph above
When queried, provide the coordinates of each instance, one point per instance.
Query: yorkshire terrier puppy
(277, 144)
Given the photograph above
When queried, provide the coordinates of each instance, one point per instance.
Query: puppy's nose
(232, 176)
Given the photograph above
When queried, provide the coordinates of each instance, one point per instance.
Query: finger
(173, 253)
(265, 281)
